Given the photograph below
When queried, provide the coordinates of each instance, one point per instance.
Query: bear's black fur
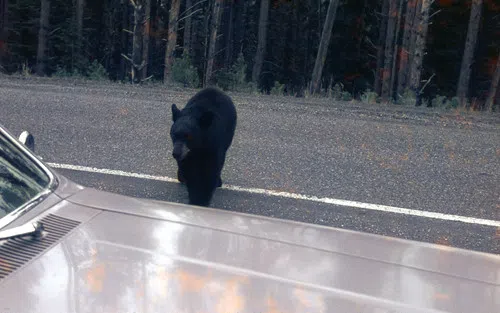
(201, 134)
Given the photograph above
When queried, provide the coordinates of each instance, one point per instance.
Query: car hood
(113, 253)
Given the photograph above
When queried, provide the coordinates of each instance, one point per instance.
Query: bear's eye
(187, 136)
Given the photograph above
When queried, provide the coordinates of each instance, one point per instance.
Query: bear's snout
(180, 151)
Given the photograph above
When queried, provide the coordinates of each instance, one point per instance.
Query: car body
(104, 252)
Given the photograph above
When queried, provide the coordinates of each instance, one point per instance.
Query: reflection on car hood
(136, 255)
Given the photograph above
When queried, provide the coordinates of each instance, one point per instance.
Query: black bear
(201, 134)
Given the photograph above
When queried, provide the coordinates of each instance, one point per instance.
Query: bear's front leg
(220, 159)
(202, 188)
(180, 176)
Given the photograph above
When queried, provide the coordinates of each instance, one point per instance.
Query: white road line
(289, 195)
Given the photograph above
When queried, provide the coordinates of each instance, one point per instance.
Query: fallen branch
(52, 32)
(140, 67)
(371, 42)
(188, 15)
(426, 83)
(434, 14)
(189, 9)
(127, 58)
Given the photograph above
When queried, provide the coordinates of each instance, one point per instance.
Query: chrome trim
(28, 140)
(34, 229)
(53, 182)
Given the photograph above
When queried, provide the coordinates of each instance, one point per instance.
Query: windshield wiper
(34, 229)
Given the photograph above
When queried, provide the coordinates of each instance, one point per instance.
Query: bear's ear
(175, 112)
(206, 119)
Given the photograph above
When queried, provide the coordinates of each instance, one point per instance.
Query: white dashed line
(289, 195)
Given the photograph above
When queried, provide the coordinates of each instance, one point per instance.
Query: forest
(436, 53)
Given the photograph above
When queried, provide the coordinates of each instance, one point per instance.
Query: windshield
(21, 180)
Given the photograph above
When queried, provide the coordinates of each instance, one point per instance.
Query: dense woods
(423, 52)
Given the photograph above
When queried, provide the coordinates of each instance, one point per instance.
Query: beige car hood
(122, 254)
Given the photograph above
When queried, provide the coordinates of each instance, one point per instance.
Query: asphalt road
(419, 159)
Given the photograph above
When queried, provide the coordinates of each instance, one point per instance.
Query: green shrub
(346, 96)
(278, 89)
(369, 97)
(443, 102)
(408, 98)
(224, 79)
(62, 72)
(183, 72)
(455, 102)
(97, 72)
(25, 69)
(336, 92)
(438, 101)
(234, 78)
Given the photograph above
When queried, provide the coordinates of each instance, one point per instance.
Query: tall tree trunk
(323, 46)
(159, 40)
(160, 25)
(308, 28)
(187, 29)
(290, 49)
(216, 17)
(413, 38)
(297, 52)
(124, 40)
(405, 46)
(470, 47)
(108, 22)
(361, 37)
(389, 48)
(42, 37)
(3, 30)
(79, 17)
(137, 64)
(495, 81)
(261, 44)
(381, 46)
(239, 27)
(421, 27)
(394, 78)
(78, 55)
(145, 38)
(172, 38)
(3, 16)
(206, 31)
(229, 36)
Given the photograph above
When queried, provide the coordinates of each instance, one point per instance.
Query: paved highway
(414, 173)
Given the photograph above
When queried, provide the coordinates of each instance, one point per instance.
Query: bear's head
(189, 131)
